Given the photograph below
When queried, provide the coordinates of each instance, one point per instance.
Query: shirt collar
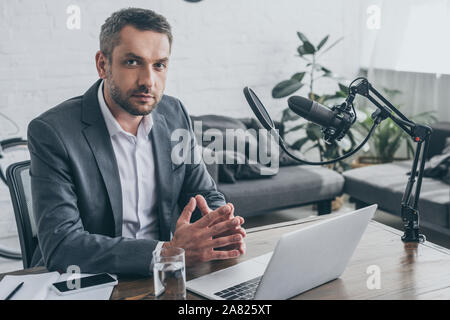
(111, 123)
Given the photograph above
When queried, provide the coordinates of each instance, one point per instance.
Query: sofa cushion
(292, 186)
(438, 166)
(385, 184)
(234, 164)
(441, 131)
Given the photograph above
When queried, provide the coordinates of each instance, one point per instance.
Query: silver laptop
(302, 260)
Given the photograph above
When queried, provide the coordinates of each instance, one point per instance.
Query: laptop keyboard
(242, 291)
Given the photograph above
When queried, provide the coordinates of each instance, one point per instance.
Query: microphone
(335, 122)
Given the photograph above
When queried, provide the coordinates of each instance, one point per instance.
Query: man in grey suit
(105, 190)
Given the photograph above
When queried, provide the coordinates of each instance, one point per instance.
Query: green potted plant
(307, 79)
(388, 137)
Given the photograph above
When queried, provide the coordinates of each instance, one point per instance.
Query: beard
(123, 99)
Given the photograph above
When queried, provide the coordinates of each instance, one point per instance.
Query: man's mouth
(143, 96)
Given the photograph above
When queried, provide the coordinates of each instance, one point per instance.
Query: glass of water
(169, 274)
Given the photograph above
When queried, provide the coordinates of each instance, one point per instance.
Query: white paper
(37, 287)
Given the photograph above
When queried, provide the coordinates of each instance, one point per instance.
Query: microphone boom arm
(421, 135)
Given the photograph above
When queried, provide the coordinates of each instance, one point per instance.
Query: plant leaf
(344, 88)
(391, 92)
(332, 45)
(332, 75)
(288, 115)
(327, 97)
(314, 132)
(300, 126)
(309, 48)
(325, 70)
(299, 143)
(322, 99)
(302, 37)
(410, 148)
(299, 76)
(322, 42)
(393, 147)
(302, 51)
(286, 88)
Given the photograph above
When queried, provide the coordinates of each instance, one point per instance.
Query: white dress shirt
(134, 155)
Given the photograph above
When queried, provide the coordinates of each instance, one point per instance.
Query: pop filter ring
(262, 114)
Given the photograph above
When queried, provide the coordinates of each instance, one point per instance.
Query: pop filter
(258, 109)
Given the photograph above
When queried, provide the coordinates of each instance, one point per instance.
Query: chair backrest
(19, 183)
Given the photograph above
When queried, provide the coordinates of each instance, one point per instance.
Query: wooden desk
(407, 271)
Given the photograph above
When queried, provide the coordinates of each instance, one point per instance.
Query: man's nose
(147, 77)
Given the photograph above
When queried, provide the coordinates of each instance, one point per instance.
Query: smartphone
(86, 283)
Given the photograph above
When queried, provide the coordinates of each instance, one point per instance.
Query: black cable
(283, 146)
(345, 156)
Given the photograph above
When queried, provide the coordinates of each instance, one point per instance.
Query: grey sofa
(292, 186)
(384, 185)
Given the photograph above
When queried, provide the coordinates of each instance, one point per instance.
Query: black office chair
(19, 184)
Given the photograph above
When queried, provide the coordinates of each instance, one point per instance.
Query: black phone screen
(85, 282)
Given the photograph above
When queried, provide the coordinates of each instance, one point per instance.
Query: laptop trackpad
(222, 279)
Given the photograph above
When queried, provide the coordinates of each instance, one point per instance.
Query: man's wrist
(166, 245)
(160, 245)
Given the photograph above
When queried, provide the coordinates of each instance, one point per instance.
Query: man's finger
(222, 218)
(186, 214)
(237, 229)
(222, 227)
(223, 255)
(236, 246)
(226, 217)
(225, 241)
(242, 248)
(232, 207)
(202, 204)
(208, 219)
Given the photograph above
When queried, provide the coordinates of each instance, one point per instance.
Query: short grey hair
(141, 19)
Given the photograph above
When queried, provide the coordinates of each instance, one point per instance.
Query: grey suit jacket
(76, 188)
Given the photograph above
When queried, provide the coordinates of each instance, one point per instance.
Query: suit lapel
(160, 137)
(99, 141)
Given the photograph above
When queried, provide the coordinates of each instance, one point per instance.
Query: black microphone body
(335, 122)
(313, 111)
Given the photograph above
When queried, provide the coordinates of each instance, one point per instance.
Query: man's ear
(101, 63)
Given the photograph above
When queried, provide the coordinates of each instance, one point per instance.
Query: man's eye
(160, 65)
(131, 62)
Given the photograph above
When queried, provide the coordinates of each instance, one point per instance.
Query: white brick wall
(220, 46)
